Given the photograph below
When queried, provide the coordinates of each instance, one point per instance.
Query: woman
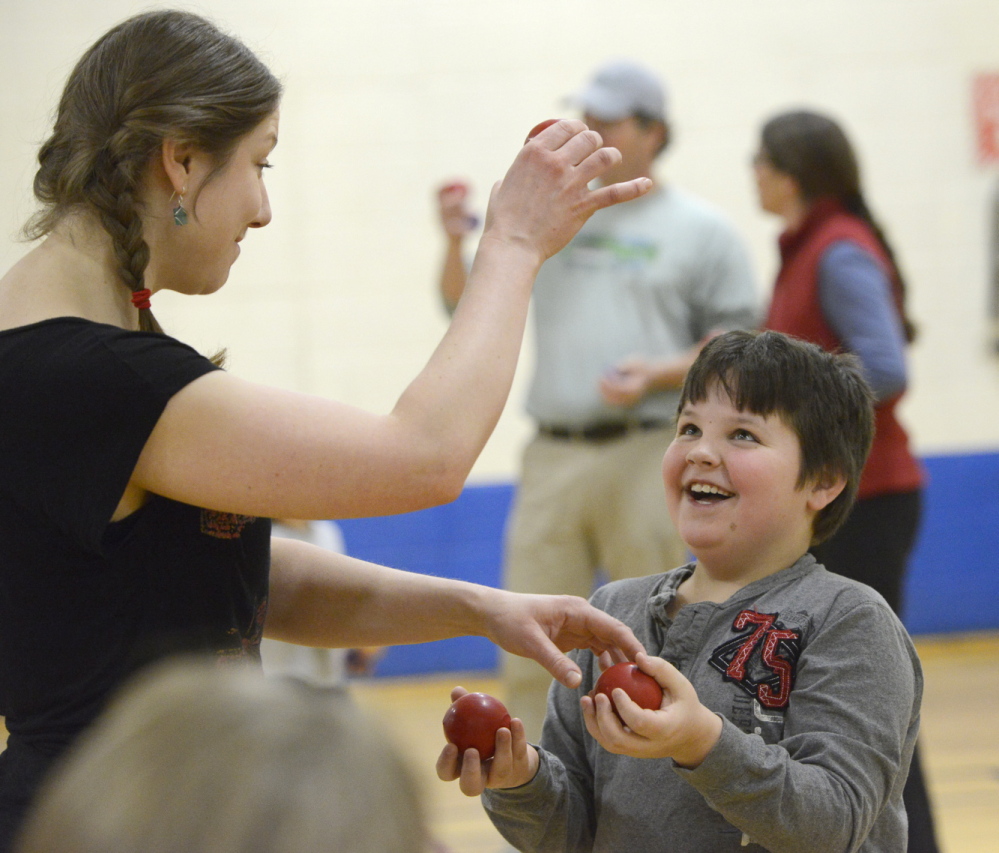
(138, 478)
(838, 286)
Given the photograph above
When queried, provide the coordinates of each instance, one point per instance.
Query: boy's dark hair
(822, 396)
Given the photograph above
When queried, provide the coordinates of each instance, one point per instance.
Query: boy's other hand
(514, 763)
(682, 729)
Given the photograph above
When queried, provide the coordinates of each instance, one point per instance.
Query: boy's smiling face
(732, 489)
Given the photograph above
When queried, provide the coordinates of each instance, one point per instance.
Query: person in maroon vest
(839, 287)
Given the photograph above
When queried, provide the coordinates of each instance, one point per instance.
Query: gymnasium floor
(959, 740)
(959, 743)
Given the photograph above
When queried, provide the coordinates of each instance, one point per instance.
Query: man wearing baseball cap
(622, 89)
(619, 314)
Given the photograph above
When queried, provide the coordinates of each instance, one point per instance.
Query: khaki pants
(581, 507)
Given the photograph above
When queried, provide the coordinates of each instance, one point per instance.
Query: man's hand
(626, 383)
(456, 218)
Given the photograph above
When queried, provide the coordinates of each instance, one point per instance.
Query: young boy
(791, 694)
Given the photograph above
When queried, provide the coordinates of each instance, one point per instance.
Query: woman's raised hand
(545, 197)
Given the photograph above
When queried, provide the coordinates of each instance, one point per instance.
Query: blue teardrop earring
(179, 214)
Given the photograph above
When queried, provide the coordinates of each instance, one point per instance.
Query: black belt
(599, 432)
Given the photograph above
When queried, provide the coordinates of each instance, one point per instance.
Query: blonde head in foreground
(191, 758)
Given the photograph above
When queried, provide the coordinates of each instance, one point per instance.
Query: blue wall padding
(462, 540)
(953, 582)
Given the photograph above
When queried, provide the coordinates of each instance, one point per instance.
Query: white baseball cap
(621, 89)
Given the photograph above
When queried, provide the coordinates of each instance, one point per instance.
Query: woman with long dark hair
(137, 479)
(840, 287)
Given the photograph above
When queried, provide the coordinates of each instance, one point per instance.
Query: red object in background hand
(472, 722)
(459, 189)
(641, 687)
(539, 127)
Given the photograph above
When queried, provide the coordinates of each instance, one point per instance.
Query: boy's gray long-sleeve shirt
(819, 686)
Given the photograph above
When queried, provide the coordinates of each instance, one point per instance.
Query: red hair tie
(140, 299)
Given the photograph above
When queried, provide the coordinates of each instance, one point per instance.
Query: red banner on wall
(985, 95)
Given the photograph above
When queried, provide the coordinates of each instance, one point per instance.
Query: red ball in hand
(472, 722)
(641, 687)
(539, 127)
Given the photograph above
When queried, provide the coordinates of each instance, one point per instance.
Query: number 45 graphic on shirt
(761, 661)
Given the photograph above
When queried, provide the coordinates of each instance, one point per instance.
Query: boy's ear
(825, 491)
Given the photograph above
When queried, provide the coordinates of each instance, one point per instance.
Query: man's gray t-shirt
(651, 278)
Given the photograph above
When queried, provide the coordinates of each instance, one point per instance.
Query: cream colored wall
(386, 98)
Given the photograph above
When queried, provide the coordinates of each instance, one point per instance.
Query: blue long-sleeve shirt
(857, 303)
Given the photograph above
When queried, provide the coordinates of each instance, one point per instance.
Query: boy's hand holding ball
(641, 688)
(680, 727)
(486, 747)
(472, 722)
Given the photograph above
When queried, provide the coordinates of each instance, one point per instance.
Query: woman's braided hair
(159, 75)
